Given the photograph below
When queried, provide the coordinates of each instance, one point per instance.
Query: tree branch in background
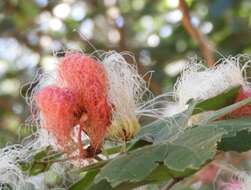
(196, 35)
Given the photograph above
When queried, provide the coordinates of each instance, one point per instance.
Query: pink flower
(79, 98)
(59, 112)
(86, 78)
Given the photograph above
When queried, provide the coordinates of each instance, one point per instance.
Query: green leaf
(182, 157)
(104, 185)
(200, 141)
(233, 126)
(173, 154)
(168, 128)
(40, 162)
(137, 165)
(85, 181)
(165, 128)
(239, 143)
(238, 137)
(224, 99)
(224, 111)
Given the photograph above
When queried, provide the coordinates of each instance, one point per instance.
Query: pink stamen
(79, 98)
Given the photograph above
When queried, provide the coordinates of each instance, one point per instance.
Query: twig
(196, 34)
(172, 183)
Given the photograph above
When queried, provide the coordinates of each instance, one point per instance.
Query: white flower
(128, 95)
(199, 82)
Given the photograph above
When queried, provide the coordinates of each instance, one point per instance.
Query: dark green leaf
(224, 99)
(238, 137)
(239, 143)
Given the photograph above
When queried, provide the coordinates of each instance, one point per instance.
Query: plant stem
(172, 183)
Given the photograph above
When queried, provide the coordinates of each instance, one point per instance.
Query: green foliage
(238, 136)
(170, 148)
(164, 150)
(173, 154)
(217, 102)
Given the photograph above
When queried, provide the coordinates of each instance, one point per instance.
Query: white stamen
(199, 82)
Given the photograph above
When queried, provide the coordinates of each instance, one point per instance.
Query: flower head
(199, 82)
(78, 97)
(127, 90)
(86, 78)
(101, 98)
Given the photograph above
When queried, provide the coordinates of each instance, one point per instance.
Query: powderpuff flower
(126, 92)
(78, 97)
(199, 82)
(86, 78)
(101, 98)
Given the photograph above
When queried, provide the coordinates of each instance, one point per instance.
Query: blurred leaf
(40, 162)
(233, 126)
(219, 7)
(7, 137)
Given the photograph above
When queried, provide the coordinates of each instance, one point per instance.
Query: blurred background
(31, 31)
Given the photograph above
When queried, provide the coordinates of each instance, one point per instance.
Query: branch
(172, 183)
(196, 35)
